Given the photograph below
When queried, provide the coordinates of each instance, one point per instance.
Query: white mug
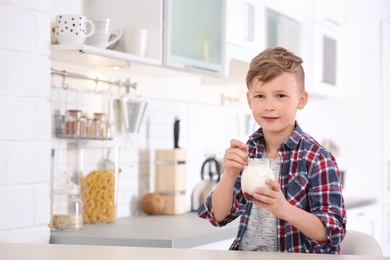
(104, 36)
(73, 29)
(135, 41)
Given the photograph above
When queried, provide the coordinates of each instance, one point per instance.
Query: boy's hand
(235, 158)
(272, 200)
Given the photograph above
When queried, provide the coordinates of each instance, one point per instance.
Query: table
(9, 251)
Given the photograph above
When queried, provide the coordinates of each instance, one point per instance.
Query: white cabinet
(386, 231)
(385, 153)
(245, 28)
(187, 35)
(329, 12)
(294, 9)
(323, 47)
(194, 33)
(363, 219)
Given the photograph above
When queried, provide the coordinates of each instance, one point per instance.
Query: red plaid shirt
(310, 179)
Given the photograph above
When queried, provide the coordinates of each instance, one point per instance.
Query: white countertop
(171, 231)
(81, 252)
(175, 231)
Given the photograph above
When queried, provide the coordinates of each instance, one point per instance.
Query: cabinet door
(363, 219)
(385, 65)
(386, 231)
(245, 24)
(329, 12)
(293, 9)
(195, 35)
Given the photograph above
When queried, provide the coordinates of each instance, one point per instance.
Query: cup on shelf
(73, 29)
(135, 41)
(105, 35)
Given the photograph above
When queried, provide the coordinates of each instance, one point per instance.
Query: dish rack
(82, 129)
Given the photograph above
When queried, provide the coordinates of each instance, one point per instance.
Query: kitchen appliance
(212, 168)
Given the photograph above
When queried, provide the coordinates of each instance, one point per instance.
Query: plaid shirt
(309, 179)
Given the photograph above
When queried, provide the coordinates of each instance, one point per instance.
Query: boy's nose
(268, 106)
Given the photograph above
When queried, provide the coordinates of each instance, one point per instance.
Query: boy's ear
(303, 100)
(249, 99)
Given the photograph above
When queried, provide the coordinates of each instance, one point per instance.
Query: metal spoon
(245, 153)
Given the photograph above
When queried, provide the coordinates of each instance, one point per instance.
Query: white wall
(25, 121)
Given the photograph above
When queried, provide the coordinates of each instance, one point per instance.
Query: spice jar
(73, 122)
(100, 124)
(67, 206)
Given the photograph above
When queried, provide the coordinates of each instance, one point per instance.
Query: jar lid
(64, 185)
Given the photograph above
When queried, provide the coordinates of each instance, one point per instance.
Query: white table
(9, 251)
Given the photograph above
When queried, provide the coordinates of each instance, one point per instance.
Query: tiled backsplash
(204, 129)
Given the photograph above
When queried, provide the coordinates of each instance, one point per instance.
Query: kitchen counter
(171, 231)
(80, 252)
(179, 231)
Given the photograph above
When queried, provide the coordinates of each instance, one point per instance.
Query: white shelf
(95, 56)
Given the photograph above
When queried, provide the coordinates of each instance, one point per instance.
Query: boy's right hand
(235, 158)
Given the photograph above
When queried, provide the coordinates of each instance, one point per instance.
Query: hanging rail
(127, 84)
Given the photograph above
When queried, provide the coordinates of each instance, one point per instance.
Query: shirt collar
(291, 142)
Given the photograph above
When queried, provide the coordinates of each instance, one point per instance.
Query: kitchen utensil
(203, 189)
(106, 163)
(176, 132)
(133, 111)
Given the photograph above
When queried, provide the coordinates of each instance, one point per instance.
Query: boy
(304, 211)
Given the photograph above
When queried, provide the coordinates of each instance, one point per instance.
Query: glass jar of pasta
(99, 183)
(67, 206)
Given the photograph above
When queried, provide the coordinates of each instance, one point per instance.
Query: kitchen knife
(176, 131)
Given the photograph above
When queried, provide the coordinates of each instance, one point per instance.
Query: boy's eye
(258, 96)
(280, 95)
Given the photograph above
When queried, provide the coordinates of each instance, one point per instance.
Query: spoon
(245, 153)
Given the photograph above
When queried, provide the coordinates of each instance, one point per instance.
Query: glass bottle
(100, 124)
(67, 206)
(72, 122)
(256, 172)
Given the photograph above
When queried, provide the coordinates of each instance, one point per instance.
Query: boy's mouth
(269, 118)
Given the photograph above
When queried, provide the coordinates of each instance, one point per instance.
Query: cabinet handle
(250, 22)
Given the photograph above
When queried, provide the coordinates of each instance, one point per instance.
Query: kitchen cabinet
(322, 48)
(245, 29)
(186, 35)
(386, 230)
(292, 9)
(363, 219)
(194, 33)
(329, 12)
(385, 151)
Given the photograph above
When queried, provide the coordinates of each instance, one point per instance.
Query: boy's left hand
(272, 200)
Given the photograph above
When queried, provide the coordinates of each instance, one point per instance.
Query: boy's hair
(272, 63)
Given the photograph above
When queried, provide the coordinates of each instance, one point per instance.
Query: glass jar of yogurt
(256, 172)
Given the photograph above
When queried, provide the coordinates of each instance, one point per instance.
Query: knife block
(170, 179)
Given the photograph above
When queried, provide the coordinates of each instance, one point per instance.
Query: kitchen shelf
(95, 56)
(83, 133)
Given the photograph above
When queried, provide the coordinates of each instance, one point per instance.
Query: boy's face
(274, 104)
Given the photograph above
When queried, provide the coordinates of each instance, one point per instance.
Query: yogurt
(254, 176)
